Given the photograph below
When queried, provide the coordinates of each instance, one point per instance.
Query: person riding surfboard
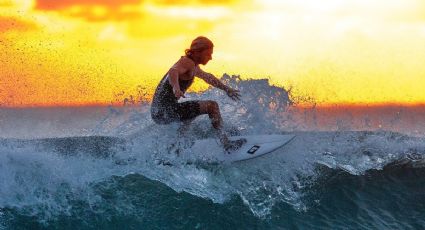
(165, 106)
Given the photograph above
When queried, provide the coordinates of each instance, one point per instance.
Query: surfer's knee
(214, 114)
(213, 107)
(209, 107)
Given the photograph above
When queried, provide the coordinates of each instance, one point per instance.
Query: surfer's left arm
(214, 81)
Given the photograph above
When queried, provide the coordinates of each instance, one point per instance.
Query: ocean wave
(52, 177)
(35, 173)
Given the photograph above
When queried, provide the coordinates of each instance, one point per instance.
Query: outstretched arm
(212, 80)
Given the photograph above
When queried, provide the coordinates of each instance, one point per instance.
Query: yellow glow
(99, 11)
(22, 5)
(211, 13)
(329, 52)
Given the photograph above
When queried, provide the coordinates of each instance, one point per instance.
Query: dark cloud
(62, 4)
(89, 9)
(186, 2)
(115, 10)
(15, 24)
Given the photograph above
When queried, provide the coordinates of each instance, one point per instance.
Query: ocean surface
(113, 168)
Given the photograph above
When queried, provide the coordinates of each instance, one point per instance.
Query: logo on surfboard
(253, 149)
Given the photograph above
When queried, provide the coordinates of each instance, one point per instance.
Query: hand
(233, 94)
(178, 93)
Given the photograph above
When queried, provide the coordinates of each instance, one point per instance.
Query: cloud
(114, 4)
(15, 24)
(93, 10)
(188, 2)
(113, 10)
(62, 4)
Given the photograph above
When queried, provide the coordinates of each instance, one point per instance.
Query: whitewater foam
(50, 177)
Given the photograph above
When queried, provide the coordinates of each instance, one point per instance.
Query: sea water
(113, 168)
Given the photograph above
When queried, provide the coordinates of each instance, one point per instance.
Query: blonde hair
(199, 44)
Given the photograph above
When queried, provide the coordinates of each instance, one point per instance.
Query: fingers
(235, 95)
(179, 94)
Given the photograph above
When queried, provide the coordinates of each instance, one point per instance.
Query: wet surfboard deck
(255, 146)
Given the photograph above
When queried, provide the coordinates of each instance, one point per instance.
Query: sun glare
(212, 12)
(335, 51)
(21, 5)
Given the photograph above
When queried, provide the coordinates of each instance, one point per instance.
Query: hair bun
(201, 43)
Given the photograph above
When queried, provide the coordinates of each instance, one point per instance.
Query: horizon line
(295, 105)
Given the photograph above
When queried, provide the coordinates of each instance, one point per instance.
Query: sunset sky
(81, 52)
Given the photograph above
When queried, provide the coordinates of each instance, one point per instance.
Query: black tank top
(164, 95)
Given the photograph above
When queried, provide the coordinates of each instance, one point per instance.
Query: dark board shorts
(175, 112)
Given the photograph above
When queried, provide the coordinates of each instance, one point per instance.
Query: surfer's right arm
(214, 81)
(173, 78)
(181, 67)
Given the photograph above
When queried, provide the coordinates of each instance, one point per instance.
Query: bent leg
(189, 110)
(211, 108)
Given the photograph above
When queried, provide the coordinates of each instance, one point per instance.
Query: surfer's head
(200, 50)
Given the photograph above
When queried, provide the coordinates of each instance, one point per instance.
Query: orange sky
(77, 52)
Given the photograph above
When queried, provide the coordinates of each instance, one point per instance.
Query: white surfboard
(255, 146)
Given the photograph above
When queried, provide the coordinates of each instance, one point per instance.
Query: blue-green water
(85, 183)
(121, 171)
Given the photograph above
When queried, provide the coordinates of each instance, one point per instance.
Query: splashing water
(122, 154)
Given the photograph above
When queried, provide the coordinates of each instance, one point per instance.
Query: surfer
(165, 106)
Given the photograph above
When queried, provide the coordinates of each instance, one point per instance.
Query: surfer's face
(206, 56)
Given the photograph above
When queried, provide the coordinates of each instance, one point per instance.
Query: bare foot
(234, 145)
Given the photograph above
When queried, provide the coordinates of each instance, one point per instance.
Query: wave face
(121, 169)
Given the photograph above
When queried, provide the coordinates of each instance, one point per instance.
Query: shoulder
(185, 63)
